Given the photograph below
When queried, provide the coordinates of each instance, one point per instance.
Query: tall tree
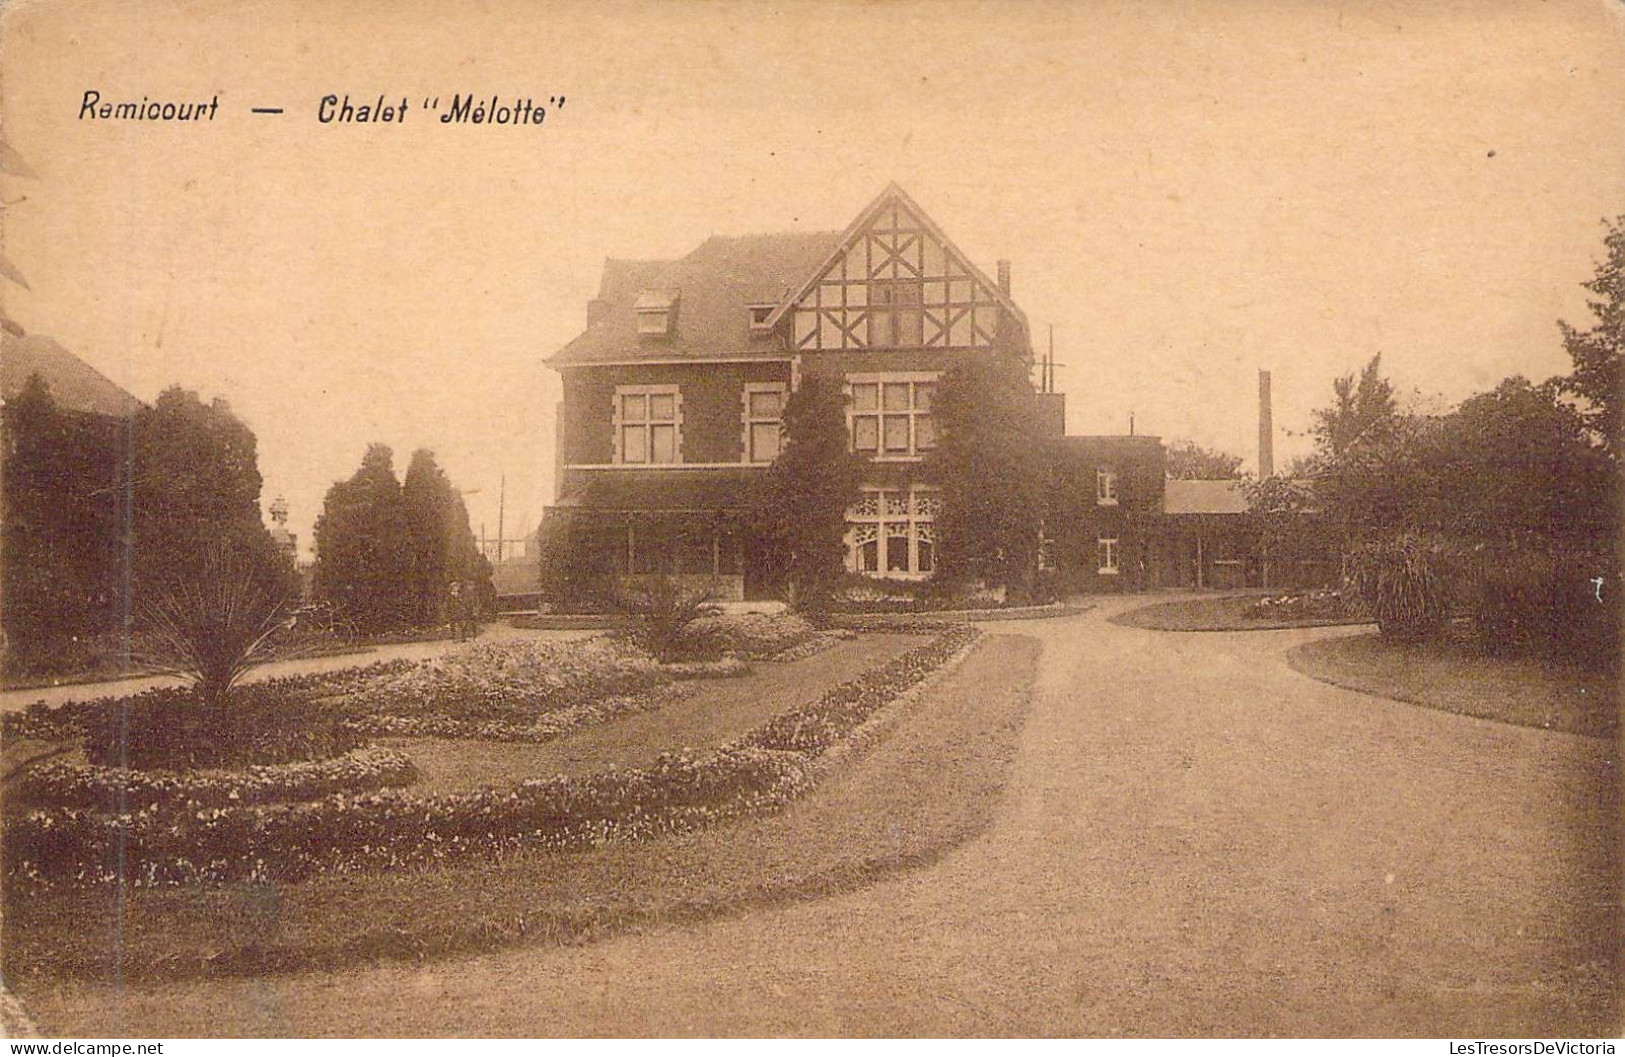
(1596, 352)
(1515, 465)
(799, 505)
(439, 538)
(1365, 463)
(363, 554)
(1363, 408)
(63, 556)
(195, 487)
(989, 463)
(1189, 461)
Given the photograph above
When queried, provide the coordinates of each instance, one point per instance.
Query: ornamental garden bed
(1248, 612)
(677, 792)
(933, 782)
(710, 714)
(1452, 676)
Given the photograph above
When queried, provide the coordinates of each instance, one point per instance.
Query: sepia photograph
(885, 519)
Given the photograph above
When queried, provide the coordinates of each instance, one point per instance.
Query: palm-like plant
(1400, 580)
(214, 625)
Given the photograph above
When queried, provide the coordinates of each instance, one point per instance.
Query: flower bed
(69, 721)
(1308, 606)
(110, 789)
(814, 727)
(559, 721)
(514, 683)
(679, 792)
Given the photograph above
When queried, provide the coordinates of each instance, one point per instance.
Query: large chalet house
(674, 394)
(674, 397)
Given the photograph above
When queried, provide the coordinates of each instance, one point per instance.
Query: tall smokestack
(1266, 429)
(1004, 278)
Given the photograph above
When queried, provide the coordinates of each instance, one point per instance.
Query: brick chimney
(1266, 429)
(1004, 278)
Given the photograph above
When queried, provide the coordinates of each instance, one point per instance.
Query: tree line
(107, 520)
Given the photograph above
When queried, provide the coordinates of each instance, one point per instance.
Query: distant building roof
(713, 288)
(75, 385)
(1204, 497)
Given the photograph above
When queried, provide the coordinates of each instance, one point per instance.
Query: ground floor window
(892, 532)
(1107, 551)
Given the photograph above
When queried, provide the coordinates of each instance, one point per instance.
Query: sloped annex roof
(713, 286)
(75, 385)
(1204, 497)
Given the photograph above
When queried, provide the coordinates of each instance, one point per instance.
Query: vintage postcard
(823, 519)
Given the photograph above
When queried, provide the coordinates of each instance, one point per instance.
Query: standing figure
(470, 613)
(457, 609)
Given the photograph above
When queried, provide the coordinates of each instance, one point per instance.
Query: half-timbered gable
(897, 283)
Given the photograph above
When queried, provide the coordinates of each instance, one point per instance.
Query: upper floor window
(648, 420)
(891, 414)
(759, 315)
(1107, 550)
(764, 421)
(1106, 486)
(895, 314)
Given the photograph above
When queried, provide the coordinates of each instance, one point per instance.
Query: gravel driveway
(1197, 841)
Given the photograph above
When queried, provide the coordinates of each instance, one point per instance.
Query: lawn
(1447, 675)
(1216, 613)
(932, 783)
(713, 712)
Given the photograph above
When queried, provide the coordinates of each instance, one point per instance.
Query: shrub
(659, 608)
(1400, 582)
(754, 636)
(1524, 601)
(214, 623)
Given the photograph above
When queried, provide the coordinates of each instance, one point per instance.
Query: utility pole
(502, 500)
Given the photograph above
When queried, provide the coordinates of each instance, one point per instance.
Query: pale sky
(1187, 191)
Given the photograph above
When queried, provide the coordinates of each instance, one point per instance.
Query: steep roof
(75, 384)
(1204, 497)
(714, 285)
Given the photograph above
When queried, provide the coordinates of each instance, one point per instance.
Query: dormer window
(657, 313)
(759, 315)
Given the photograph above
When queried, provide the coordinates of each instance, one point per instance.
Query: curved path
(1196, 841)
